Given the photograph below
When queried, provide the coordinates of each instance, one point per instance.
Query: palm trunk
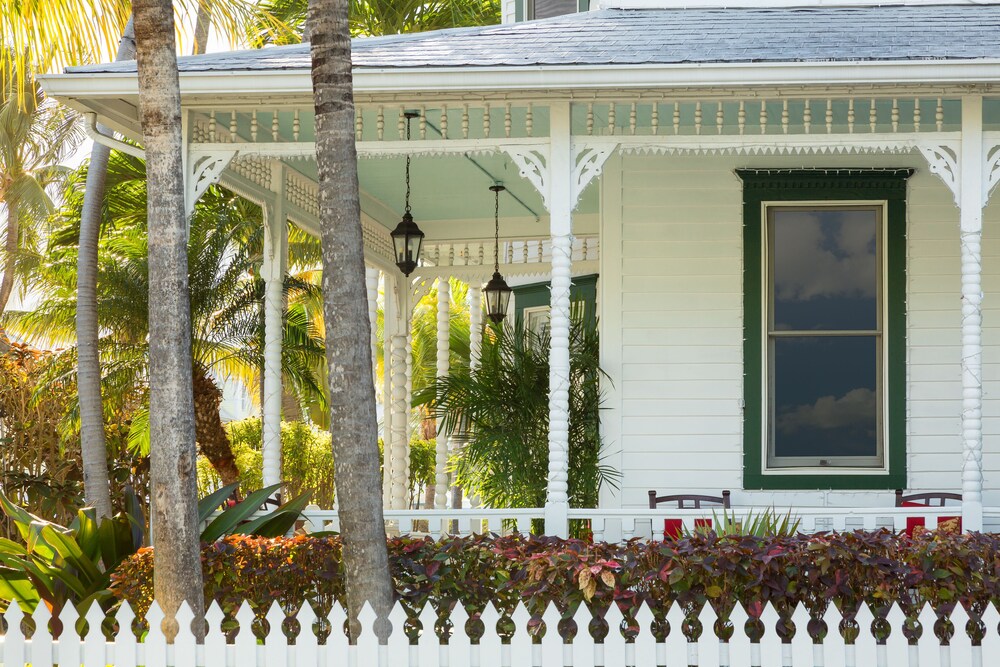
(96, 487)
(345, 305)
(209, 431)
(10, 252)
(177, 562)
(201, 27)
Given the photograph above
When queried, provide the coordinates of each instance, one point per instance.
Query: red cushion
(673, 529)
(912, 522)
(911, 504)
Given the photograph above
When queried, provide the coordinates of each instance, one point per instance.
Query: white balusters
(807, 118)
(529, 121)
(211, 127)
(465, 121)
(632, 119)
(916, 114)
(444, 121)
(720, 119)
(253, 125)
(872, 115)
(275, 126)
(697, 118)
(296, 125)
(784, 117)
(486, 120)
(506, 120)
(422, 125)
(654, 118)
(829, 116)
(850, 116)
(895, 115)
(590, 118)
(232, 125)
(939, 115)
(380, 123)
(611, 118)
(401, 123)
(359, 123)
(741, 118)
(677, 118)
(763, 116)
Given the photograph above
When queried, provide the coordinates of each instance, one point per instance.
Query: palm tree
(35, 136)
(374, 17)
(173, 475)
(224, 256)
(353, 423)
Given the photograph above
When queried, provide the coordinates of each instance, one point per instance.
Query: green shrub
(306, 461)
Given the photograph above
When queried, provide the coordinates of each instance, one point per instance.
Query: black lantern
(497, 291)
(407, 237)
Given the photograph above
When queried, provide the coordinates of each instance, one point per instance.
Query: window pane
(825, 396)
(825, 269)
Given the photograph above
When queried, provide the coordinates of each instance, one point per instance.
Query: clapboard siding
(675, 396)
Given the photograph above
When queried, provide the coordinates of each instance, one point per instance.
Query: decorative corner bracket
(204, 170)
(533, 161)
(588, 162)
(991, 174)
(943, 160)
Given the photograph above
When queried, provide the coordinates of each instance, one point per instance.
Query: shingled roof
(660, 37)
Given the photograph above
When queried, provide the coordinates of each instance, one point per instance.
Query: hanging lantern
(497, 291)
(407, 237)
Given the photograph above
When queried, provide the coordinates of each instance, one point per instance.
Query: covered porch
(559, 217)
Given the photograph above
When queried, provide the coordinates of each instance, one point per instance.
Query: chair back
(689, 500)
(929, 499)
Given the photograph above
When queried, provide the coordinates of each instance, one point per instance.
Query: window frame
(824, 188)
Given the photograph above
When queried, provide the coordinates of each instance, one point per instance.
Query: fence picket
(275, 643)
(155, 646)
(367, 646)
(215, 638)
(895, 645)
(520, 643)
(459, 644)
(614, 642)
(802, 644)
(246, 641)
(337, 650)
(583, 642)
(708, 643)
(927, 646)
(961, 643)
(399, 643)
(69, 641)
(14, 644)
(41, 640)
(552, 643)
(645, 642)
(991, 642)
(428, 642)
(738, 650)
(675, 646)
(770, 643)
(125, 649)
(185, 647)
(489, 644)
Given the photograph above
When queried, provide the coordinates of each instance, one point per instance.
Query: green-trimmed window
(528, 10)
(531, 302)
(824, 319)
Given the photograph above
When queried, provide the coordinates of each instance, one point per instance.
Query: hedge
(845, 569)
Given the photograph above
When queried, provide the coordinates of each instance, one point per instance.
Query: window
(825, 329)
(531, 302)
(528, 10)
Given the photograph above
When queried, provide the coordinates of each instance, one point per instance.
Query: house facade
(786, 205)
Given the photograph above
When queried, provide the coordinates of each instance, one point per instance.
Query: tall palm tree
(35, 136)
(224, 257)
(353, 423)
(173, 475)
(374, 17)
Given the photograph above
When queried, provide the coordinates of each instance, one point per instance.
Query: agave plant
(764, 524)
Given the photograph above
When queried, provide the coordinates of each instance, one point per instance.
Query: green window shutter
(816, 186)
(583, 290)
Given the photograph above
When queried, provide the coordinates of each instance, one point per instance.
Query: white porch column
(971, 201)
(561, 204)
(275, 257)
(443, 359)
(400, 423)
(475, 341)
(371, 285)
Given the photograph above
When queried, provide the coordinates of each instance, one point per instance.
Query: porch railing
(871, 641)
(625, 524)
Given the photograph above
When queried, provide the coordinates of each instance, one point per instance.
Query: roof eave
(572, 77)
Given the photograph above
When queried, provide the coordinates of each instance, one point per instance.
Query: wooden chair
(927, 499)
(672, 528)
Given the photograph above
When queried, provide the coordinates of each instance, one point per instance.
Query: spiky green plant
(503, 408)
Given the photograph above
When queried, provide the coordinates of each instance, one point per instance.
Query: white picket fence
(523, 649)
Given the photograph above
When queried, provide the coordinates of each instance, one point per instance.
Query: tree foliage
(503, 409)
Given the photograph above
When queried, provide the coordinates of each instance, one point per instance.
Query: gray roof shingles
(660, 36)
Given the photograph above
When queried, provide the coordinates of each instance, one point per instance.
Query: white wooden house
(784, 202)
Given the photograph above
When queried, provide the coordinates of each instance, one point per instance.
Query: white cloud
(810, 265)
(855, 408)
